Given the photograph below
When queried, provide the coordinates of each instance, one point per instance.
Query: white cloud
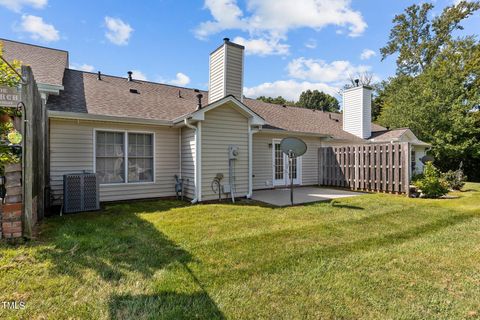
(311, 44)
(272, 19)
(38, 29)
(17, 5)
(367, 54)
(181, 80)
(262, 47)
(319, 70)
(118, 32)
(82, 67)
(139, 75)
(289, 89)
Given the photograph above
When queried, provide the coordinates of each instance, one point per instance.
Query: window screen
(110, 157)
(140, 157)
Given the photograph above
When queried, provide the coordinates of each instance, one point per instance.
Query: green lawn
(376, 256)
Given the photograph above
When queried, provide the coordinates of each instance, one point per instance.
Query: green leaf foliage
(418, 40)
(8, 77)
(310, 99)
(318, 100)
(278, 100)
(436, 91)
(432, 183)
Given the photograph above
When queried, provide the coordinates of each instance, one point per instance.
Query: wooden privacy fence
(371, 167)
(35, 155)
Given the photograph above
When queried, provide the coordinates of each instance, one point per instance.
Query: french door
(281, 167)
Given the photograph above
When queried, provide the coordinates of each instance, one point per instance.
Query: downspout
(250, 159)
(180, 152)
(195, 168)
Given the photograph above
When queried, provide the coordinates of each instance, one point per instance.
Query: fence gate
(369, 167)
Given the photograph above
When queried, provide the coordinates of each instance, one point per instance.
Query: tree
(318, 100)
(278, 100)
(8, 77)
(438, 103)
(419, 40)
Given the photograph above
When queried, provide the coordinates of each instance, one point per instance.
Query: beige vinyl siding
(222, 127)
(263, 163)
(217, 75)
(71, 151)
(188, 161)
(234, 65)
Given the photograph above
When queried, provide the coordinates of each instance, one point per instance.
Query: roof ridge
(288, 106)
(136, 80)
(35, 45)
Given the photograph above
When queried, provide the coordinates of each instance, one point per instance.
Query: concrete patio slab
(281, 197)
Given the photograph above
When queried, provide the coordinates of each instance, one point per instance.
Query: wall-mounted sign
(9, 97)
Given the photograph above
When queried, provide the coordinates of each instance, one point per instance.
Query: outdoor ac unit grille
(80, 192)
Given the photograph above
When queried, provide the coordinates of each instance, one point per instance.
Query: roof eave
(97, 117)
(50, 88)
(199, 115)
(289, 132)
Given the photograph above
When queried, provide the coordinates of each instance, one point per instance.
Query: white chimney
(226, 72)
(357, 111)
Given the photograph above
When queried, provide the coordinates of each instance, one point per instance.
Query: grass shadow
(165, 305)
(112, 242)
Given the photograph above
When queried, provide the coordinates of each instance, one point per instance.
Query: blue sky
(291, 45)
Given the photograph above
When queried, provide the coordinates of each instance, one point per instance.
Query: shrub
(455, 179)
(432, 185)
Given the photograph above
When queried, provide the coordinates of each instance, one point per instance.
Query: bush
(432, 184)
(455, 179)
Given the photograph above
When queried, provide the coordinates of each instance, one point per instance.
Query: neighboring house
(137, 134)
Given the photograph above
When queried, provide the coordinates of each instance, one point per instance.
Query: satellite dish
(293, 146)
(426, 159)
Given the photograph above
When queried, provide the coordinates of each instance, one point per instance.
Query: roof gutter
(50, 88)
(287, 132)
(97, 117)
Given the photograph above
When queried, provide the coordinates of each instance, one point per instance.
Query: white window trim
(125, 142)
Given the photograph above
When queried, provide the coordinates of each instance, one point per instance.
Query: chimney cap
(226, 40)
(99, 75)
(199, 97)
(130, 75)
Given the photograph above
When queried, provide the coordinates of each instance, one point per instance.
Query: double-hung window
(140, 157)
(122, 157)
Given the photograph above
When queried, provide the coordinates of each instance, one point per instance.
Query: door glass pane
(279, 164)
(294, 168)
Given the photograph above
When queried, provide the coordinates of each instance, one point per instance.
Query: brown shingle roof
(111, 96)
(388, 135)
(47, 64)
(303, 120)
